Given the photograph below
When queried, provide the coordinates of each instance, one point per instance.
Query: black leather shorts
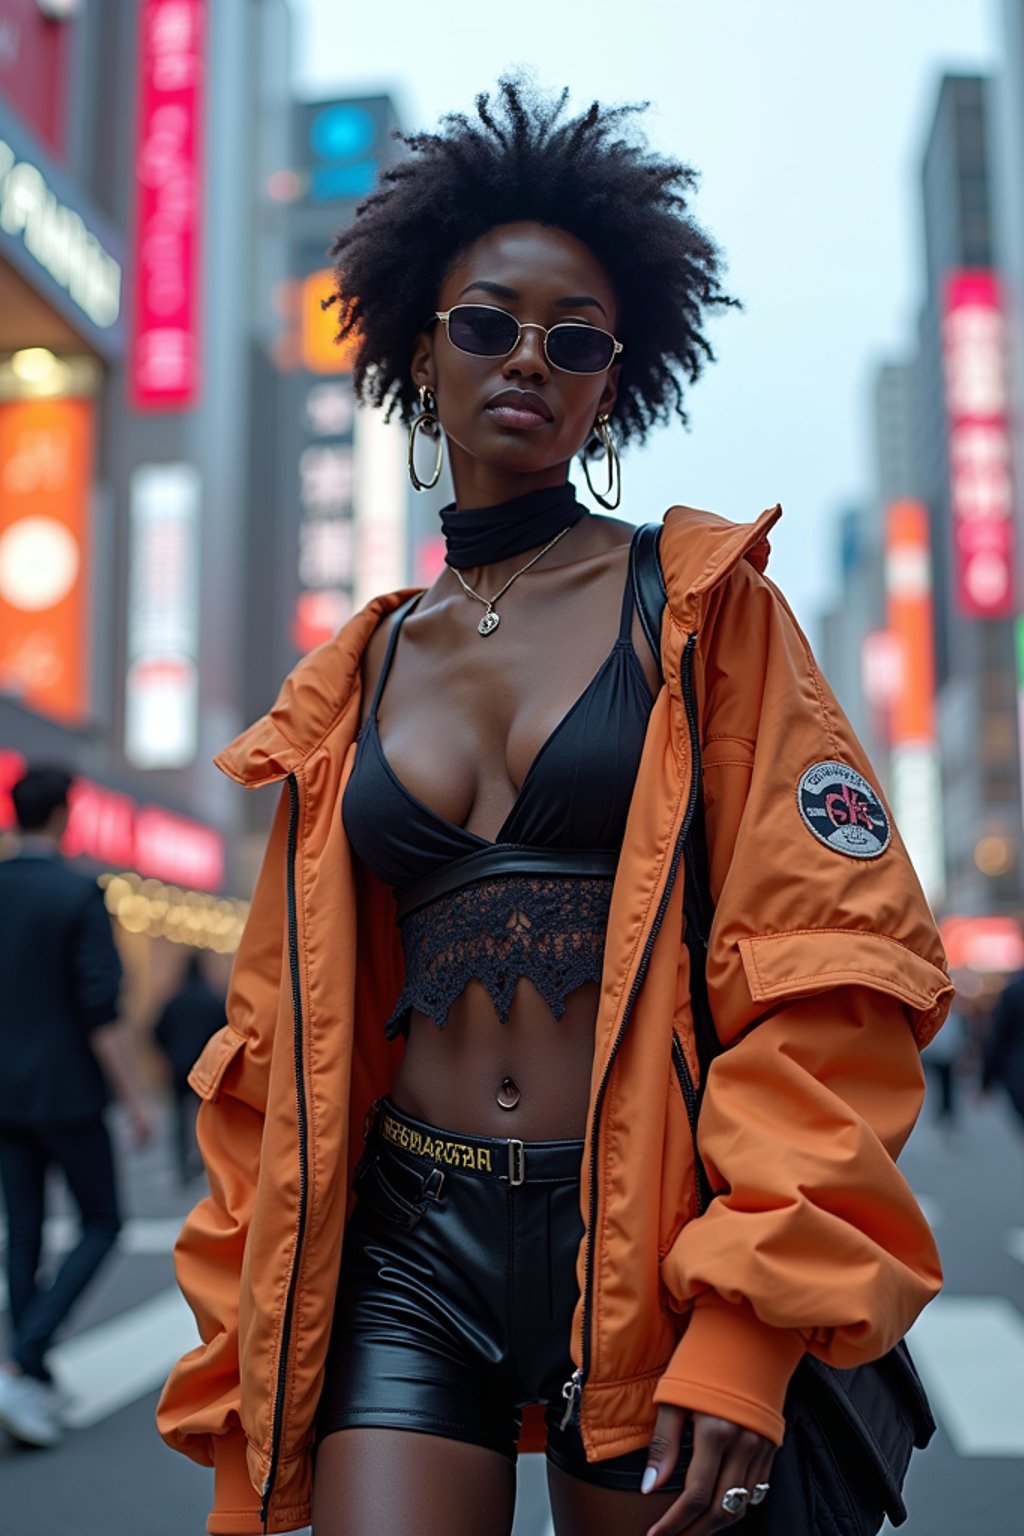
(456, 1295)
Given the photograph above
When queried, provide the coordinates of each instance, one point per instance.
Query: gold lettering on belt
(437, 1148)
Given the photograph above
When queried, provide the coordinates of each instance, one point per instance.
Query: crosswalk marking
(970, 1352)
(114, 1363)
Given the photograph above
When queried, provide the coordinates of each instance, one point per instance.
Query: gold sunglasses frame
(444, 315)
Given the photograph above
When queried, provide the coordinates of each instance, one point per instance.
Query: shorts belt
(512, 1161)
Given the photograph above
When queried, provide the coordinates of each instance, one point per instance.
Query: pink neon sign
(977, 404)
(164, 370)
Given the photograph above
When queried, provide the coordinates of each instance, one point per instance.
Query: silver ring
(733, 1500)
(760, 1489)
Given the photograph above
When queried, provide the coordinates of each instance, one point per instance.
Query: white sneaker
(24, 1412)
(58, 1400)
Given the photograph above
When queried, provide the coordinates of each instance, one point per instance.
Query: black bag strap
(649, 592)
(650, 595)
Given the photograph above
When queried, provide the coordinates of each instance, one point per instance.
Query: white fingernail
(649, 1479)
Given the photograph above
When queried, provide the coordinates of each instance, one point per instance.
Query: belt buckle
(516, 1163)
(433, 1184)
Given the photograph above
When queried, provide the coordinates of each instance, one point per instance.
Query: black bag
(849, 1433)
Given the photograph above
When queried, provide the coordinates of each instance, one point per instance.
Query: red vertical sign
(974, 355)
(165, 361)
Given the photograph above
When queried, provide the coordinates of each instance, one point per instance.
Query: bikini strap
(397, 619)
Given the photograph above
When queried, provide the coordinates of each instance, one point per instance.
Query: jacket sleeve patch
(842, 810)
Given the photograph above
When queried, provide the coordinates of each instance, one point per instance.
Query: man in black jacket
(60, 1043)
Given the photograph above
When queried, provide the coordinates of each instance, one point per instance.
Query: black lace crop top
(533, 903)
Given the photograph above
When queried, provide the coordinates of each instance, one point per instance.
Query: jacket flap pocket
(802, 962)
(216, 1056)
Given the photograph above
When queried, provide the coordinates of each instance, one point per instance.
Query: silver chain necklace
(491, 619)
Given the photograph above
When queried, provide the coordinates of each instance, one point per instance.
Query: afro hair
(523, 159)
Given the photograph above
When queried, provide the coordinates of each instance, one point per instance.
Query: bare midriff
(451, 1077)
(461, 719)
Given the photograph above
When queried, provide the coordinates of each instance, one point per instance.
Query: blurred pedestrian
(189, 1018)
(942, 1060)
(1003, 1060)
(60, 1044)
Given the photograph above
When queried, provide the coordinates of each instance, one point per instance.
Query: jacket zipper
(690, 1099)
(573, 1388)
(698, 915)
(303, 1128)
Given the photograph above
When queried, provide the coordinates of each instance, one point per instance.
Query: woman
(467, 939)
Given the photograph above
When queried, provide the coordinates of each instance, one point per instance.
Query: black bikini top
(576, 794)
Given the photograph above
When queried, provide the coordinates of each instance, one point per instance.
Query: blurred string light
(34, 365)
(34, 373)
(993, 855)
(166, 912)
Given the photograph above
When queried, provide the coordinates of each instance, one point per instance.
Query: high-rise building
(1006, 135)
(1006, 122)
(962, 480)
(850, 659)
(136, 264)
(941, 437)
(328, 492)
(896, 433)
(858, 654)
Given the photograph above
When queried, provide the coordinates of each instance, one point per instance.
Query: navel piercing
(508, 1093)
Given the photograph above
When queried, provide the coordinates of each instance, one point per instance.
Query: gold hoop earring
(426, 422)
(610, 497)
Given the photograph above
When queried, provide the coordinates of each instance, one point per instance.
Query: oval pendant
(508, 1093)
(489, 623)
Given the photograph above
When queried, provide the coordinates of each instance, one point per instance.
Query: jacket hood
(698, 550)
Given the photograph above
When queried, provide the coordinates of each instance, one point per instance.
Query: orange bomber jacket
(825, 975)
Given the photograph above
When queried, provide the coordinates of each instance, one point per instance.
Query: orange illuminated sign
(45, 478)
(909, 603)
(321, 351)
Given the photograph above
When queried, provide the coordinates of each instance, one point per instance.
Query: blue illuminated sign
(342, 132)
(332, 181)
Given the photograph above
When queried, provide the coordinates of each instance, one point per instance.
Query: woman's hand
(724, 1456)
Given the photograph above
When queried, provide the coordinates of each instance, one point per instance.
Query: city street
(113, 1477)
(317, 322)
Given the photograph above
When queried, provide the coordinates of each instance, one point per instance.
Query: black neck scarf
(485, 535)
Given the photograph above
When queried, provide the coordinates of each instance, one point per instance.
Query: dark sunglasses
(570, 346)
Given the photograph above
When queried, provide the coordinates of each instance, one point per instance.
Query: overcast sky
(807, 122)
